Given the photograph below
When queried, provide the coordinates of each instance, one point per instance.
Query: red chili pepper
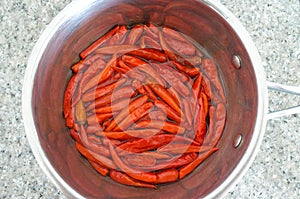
(93, 128)
(134, 34)
(134, 173)
(172, 78)
(102, 76)
(68, 95)
(151, 31)
(174, 162)
(160, 91)
(190, 167)
(188, 70)
(75, 136)
(102, 160)
(157, 115)
(149, 92)
(134, 116)
(181, 48)
(149, 54)
(143, 66)
(98, 42)
(125, 179)
(146, 144)
(132, 106)
(123, 92)
(140, 160)
(188, 111)
(156, 155)
(217, 118)
(112, 108)
(180, 148)
(200, 122)
(118, 37)
(169, 175)
(78, 66)
(163, 125)
(148, 42)
(99, 168)
(171, 114)
(101, 91)
(125, 135)
(98, 118)
(138, 86)
(175, 95)
(117, 49)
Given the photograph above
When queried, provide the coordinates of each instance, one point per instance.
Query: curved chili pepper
(132, 106)
(140, 160)
(151, 31)
(190, 71)
(160, 91)
(123, 92)
(149, 92)
(68, 95)
(134, 116)
(98, 42)
(212, 72)
(98, 118)
(112, 108)
(101, 91)
(102, 75)
(93, 128)
(163, 125)
(181, 148)
(149, 54)
(134, 34)
(75, 136)
(156, 155)
(169, 175)
(78, 66)
(143, 66)
(134, 173)
(146, 144)
(182, 48)
(128, 134)
(117, 49)
(190, 167)
(118, 37)
(175, 95)
(215, 131)
(174, 162)
(125, 179)
(99, 168)
(187, 111)
(138, 86)
(168, 110)
(102, 160)
(200, 122)
(148, 42)
(171, 77)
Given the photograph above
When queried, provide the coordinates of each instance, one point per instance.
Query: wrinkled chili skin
(145, 106)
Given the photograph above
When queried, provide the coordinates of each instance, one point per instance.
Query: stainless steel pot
(207, 22)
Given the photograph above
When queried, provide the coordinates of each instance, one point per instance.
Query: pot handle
(287, 89)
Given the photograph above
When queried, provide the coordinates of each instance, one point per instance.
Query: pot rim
(74, 8)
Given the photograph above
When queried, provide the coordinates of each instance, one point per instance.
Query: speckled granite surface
(275, 28)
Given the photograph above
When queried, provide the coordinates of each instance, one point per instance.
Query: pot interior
(193, 18)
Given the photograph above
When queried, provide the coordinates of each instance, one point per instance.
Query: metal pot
(207, 22)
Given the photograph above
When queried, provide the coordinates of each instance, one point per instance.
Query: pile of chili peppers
(145, 105)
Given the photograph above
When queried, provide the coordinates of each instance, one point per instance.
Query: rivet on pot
(237, 140)
(236, 61)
